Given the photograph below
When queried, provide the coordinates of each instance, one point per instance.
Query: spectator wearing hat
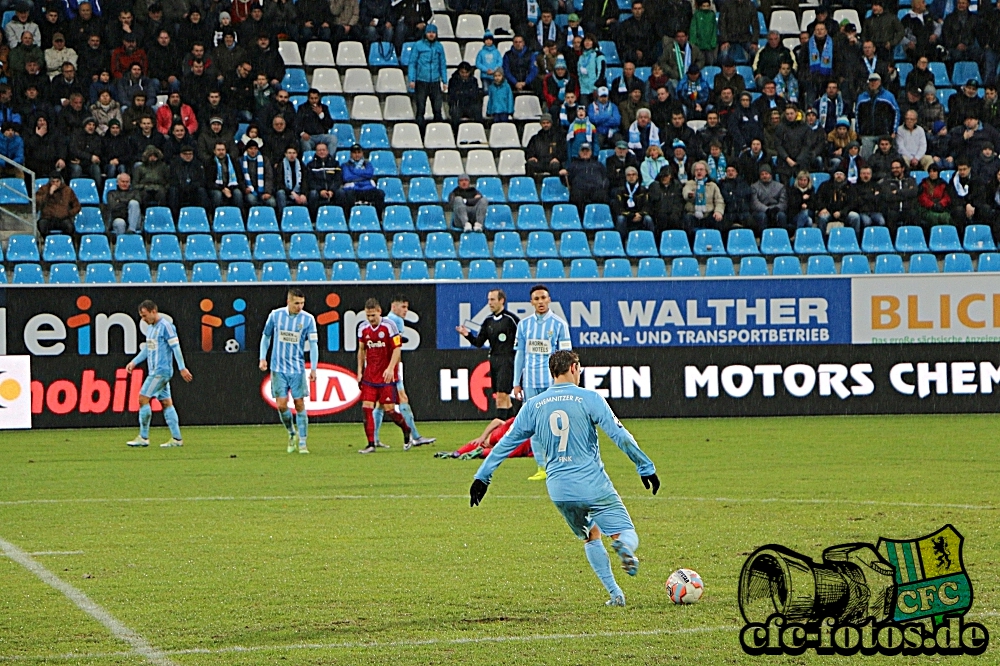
(931, 112)
(359, 180)
(129, 53)
(586, 178)
(214, 131)
(85, 151)
(605, 116)
(704, 207)
(616, 164)
(104, 110)
(500, 105)
(693, 93)
(468, 206)
(986, 165)
(912, 96)
(736, 195)
(898, 197)
(666, 202)
(175, 110)
(557, 83)
(136, 82)
(465, 97)
(933, 199)
(591, 68)
(546, 150)
(965, 104)
(738, 29)
(623, 84)
(679, 55)
(152, 177)
(728, 78)
(877, 114)
(572, 31)
(489, 59)
(57, 206)
(911, 142)
(222, 177)
(958, 33)
(258, 177)
(326, 181)
(631, 205)
(123, 212)
(428, 73)
(636, 37)
(21, 24)
(580, 132)
(629, 108)
(831, 201)
(58, 54)
(187, 186)
(680, 161)
(264, 58)
(769, 201)
(11, 147)
(652, 164)
(117, 150)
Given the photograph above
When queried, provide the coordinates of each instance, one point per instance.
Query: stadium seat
(956, 262)
(818, 178)
(327, 81)
(448, 269)
(565, 217)
(415, 164)
(193, 220)
(583, 269)
(295, 219)
(786, 265)
(199, 247)
(499, 218)
(262, 219)
(482, 269)
(384, 163)
(809, 240)
(708, 242)
(136, 273)
(345, 271)
(940, 72)
(963, 72)
(843, 240)
(641, 243)
(617, 268)
(58, 248)
(821, 264)
(382, 54)
(753, 266)
(471, 135)
(516, 269)
(23, 247)
(414, 269)
(206, 271)
(919, 176)
(438, 136)
(372, 246)
(366, 108)
(719, 267)
(406, 245)
(443, 23)
(674, 243)
(393, 189)
(521, 189)
(774, 242)
(527, 107)
(507, 245)
(379, 270)
(100, 274)
(741, 243)
(93, 247)
(978, 238)
(447, 163)
(89, 221)
(888, 264)
(397, 218)
(542, 245)
(351, 54)
(747, 73)
(553, 190)
(165, 247)
(405, 52)
(303, 246)
(944, 238)
(854, 264)
(86, 191)
(910, 239)
(573, 245)
(28, 274)
(480, 163)
(473, 246)
(311, 271)
(14, 191)
(130, 248)
(345, 134)
(944, 95)
(159, 220)
(374, 137)
(423, 189)
(241, 271)
(390, 81)
(785, 22)
(708, 74)
(610, 51)
(266, 247)
(330, 218)
(227, 219)
(682, 267)
(289, 52)
(550, 269)
(471, 51)
(923, 262)
(652, 267)
(63, 274)
(297, 101)
(469, 26)
(511, 162)
(504, 135)
(171, 272)
(531, 217)
(431, 218)
(597, 217)
(490, 187)
(276, 271)
(876, 240)
(337, 106)
(295, 81)
(364, 218)
(989, 262)
(338, 247)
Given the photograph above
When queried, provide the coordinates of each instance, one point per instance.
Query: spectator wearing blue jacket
(693, 93)
(428, 73)
(501, 103)
(359, 181)
(605, 116)
(11, 147)
(489, 59)
(519, 66)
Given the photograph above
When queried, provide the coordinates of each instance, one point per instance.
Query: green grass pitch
(230, 551)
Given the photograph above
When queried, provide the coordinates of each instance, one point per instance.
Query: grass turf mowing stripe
(140, 646)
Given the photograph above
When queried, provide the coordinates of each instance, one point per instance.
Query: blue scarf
(821, 63)
(824, 108)
(248, 173)
(787, 88)
(700, 198)
(540, 32)
(852, 169)
(570, 34)
(682, 176)
(716, 167)
(293, 181)
(630, 190)
(220, 178)
(563, 84)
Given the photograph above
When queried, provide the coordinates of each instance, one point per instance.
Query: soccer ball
(685, 587)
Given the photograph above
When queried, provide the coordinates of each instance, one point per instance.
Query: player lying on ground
(161, 350)
(561, 424)
(292, 329)
(481, 446)
(379, 349)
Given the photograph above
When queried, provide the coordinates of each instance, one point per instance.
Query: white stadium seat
(439, 135)
(406, 136)
(696, 125)
(527, 107)
(790, 43)
(327, 81)
(438, 6)
(472, 50)
(480, 163)
(530, 130)
(785, 21)
(511, 162)
(358, 81)
(849, 14)
(428, 110)
(470, 26)
(390, 81)
(319, 54)
(498, 21)
(161, 99)
(452, 53)
(398, 107)
(351, 54)
(289, 52)
(443, 23)
(472, 134)
(367, 108)
(447, 163)
(808, 16)
(503, 135)
(503, 47)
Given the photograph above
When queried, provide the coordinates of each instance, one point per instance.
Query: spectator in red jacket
(175, 111)
(126, 55)
(933, 198)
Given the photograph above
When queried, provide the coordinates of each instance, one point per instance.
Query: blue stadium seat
(393, 188)
(747, 73)
(311, 271)
(919, 176)
(89, 221)
(910, 239)
(553, 190)
(774, 242)
(603, 156)
(199, 247)
(550, 269)
(473, 246)
(574, 245)
(565, 217)
(809, 240)
(295, 219)
(904, 68)
(28, 274)
(94, 247)
(451, 182)
(165, 247)
(64, 274)
(414, 269)
(957, 262)
(854, 264)
(236, 247)
(963, 71)
(295, 81)
(786, 265)
(597, 216)
(136, 273)
(58, 248)
(228, 220)
(516, 269)
(276, 271)
(978, 238)
(521, 189)
(482, 269)
(297, 101)
(818, 178)
(542, 245)
(379, 270)
(130, 248)
(440, 245)
(719, 267)
(843, 240)
(490, 187)
(397, 218)
(262, 219)
(345, 136)
(330, 218)
(345, 271)
(741, 243)
(944, 238)
(876, 240)
(338, 246)
(372, 246)
(753, 266)
(171, 272)
(989, 262)
(944, 95)
(652, 267)
(206, 271)
(19, 195)
(888, 264)
(448, 269)
(193, 220)
(617, 268)
(708, 242)
(382, 54)
(364, 219)
(241, 271)
(583, 269)
(499, 218)
(610, 51)
(531, 217)
(22, 247)
(338, 107)
(268, 247)
(641, 243)
(100, 274)
(923, 262)
(159, 220)
(86, 191)
(674, 243)
(940, 73)
(384, 163)
(374, 137)
(682, 267)
(406, 245)
(423, 189)
(821, 264)
(507, 245)
(303, 247)
(708, 74)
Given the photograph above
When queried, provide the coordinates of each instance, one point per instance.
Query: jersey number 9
(559, 425)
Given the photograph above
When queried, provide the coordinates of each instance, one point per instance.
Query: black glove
(653, 480)
(478, 491)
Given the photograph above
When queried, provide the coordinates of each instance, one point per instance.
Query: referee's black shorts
(502, 373)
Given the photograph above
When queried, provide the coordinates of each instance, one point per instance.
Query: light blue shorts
(608, 513)
(156, 386)
(283, 383)
(531, 392)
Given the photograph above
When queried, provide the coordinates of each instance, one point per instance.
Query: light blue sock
(407, 413)
(377, 416)
(630, 539)
(145, 416)
(597, 555)
(170, 415)
(302, 420)
(286, 420)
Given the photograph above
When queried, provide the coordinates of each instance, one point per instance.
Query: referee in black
(500, 331)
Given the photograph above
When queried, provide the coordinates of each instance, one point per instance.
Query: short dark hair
(538, 287)
(399, 298)
(562, 361)
(501, 296)
(962, 161)
(294, 292)
(372, 304)
(148, 306)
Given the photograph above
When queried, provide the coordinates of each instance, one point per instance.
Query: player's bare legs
(287, 420)
(388, 411)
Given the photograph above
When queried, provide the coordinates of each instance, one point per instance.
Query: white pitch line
(56, 552)
(139, 644)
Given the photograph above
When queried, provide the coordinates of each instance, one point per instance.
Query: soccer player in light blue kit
(292, 330)
(161, 350)
(561, 424)
(538, 337)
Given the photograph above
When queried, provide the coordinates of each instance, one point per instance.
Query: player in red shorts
(379, 350)
(481, 446)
